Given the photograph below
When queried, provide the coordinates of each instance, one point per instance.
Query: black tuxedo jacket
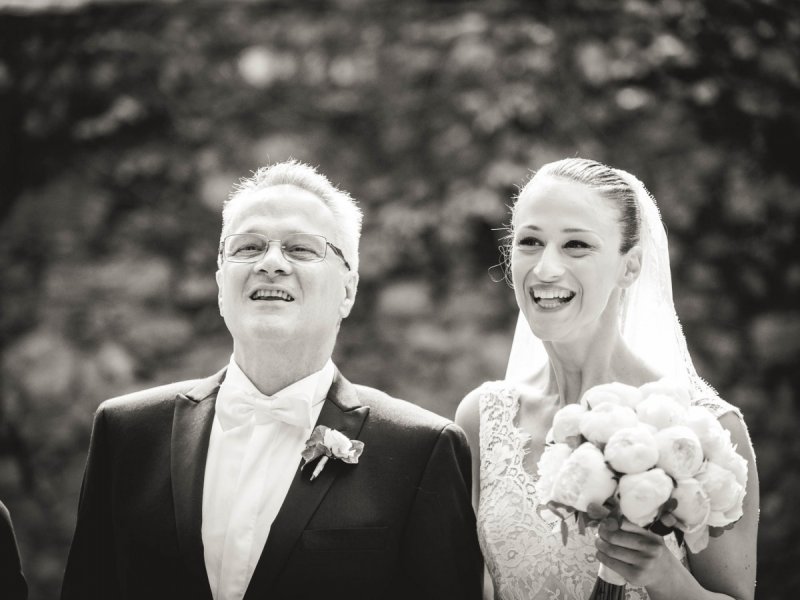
(12, 582)
(399, 524)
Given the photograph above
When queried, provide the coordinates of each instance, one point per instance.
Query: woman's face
(565, 259)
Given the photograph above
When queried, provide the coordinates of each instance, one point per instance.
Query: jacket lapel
(342, 412)
(191, 429)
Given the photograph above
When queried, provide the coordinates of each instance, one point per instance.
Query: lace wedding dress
(522, 544)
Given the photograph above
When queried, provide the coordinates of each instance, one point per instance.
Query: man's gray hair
(346, 212)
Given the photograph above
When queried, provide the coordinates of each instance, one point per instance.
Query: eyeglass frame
(336, 250)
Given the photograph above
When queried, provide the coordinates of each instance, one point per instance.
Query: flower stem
(319, 467)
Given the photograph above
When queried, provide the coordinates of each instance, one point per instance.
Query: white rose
(338, 443)
(713, 437)
(660, 411)
(600, 423)
(667, 387)
(692, 512)
(632, 449)
(724, 492)
(549, 465)
(584, 478)
(679, 451)
(728, 458)
(694, 505)
(642, 494)
(614, 393)
(566, 422)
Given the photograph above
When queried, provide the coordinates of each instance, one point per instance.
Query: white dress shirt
(248, 472)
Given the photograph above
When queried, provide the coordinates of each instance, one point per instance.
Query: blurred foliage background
(124, 125)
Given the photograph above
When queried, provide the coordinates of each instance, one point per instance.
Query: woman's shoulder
(489, 389)
(730, 417)
(469, 409)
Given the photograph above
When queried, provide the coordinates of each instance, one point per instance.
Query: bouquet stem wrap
(610, 585)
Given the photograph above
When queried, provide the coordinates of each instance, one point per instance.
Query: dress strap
(718, 406)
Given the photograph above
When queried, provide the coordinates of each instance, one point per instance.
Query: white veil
(648, 322)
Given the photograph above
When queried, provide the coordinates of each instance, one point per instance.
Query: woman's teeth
(552, 298)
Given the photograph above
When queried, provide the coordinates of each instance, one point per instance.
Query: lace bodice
(522, 545)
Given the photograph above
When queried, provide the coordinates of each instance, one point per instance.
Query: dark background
(123, 126)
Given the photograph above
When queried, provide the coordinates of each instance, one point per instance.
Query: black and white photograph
(377, 300)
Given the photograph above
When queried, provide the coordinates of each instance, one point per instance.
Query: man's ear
(218, 276)
(632, 266)
(350, 287)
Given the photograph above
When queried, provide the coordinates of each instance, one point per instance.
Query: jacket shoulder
(143, 400)
(402, 413)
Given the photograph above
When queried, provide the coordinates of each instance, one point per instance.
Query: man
(193, 490)
(12, 581)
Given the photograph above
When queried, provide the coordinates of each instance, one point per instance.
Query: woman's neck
(575, 366)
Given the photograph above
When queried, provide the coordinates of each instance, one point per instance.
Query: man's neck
(271, 370)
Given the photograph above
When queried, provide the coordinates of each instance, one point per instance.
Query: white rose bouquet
(645, 454)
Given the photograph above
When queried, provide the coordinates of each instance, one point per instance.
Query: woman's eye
(577, 245)
(529, 242)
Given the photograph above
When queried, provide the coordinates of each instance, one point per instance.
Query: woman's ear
(632, 266)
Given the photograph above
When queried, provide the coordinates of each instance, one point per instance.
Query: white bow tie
(241, 404)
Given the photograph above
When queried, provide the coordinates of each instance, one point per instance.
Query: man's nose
(549, 266)
(273, 261)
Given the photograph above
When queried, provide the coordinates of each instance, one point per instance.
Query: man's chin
(265, 328)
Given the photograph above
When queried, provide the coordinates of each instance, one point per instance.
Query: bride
(590, 269)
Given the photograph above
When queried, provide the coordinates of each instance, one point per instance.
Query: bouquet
(646, 454)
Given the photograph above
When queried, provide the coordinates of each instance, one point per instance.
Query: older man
(193, 490)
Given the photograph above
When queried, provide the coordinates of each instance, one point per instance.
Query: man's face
(274, 299)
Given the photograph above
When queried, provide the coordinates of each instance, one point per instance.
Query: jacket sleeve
(91, 566)
(440, 546)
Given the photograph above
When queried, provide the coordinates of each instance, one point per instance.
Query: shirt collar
(314, 387)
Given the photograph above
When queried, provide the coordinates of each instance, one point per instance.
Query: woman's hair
(292, 172)
(607, 182)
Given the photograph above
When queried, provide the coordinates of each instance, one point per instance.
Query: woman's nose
(549, 266)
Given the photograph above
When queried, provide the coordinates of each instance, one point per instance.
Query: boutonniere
(326, 443)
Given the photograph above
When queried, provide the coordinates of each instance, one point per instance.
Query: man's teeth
(271, 295)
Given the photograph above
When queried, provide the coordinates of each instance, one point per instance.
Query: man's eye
(302, 252)
(248, 249)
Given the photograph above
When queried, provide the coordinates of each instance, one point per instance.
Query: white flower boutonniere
(326, 443)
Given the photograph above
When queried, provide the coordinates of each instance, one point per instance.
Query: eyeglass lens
(300, 247)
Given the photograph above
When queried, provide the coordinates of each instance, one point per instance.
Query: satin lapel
(342, 412)
(191, 429)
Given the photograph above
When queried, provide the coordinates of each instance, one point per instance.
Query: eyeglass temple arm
(340, 254)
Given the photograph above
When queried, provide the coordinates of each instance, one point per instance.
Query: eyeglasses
(295, 247)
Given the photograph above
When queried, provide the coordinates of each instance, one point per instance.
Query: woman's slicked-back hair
(346, 212)
(607, 182)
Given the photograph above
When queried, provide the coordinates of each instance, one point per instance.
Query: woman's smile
(551, 298)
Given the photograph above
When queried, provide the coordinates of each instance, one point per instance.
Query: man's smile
(272, 295)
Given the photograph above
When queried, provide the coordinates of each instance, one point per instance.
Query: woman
(590, 269)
